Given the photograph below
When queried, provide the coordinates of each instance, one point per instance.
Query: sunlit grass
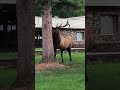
(72, 78)
(38, 49)
(76, 57)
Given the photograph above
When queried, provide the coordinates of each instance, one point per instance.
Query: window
(35, 37)
(14, 27)
(8, 27)
(108, 24)
(80, 36)
(1, 27)
(39, 37)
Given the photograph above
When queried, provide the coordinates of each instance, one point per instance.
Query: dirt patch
(45, 66)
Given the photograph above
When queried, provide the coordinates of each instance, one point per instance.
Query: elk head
(56, 32)
(58, 28)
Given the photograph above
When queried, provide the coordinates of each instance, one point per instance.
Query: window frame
(14, 26)
(83, 36)
(9, 27)
(114, 24)
(2, 27)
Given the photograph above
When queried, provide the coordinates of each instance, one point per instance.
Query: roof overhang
(7, 1)
(75, 22)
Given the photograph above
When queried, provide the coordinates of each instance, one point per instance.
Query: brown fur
(62, 42)
(66, 41)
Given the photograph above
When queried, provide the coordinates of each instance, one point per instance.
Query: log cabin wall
(103, 42)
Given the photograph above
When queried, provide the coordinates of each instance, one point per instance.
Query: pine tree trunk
(26, 45)
(47, 43)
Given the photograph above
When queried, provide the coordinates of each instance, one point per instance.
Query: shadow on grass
(103, 76)
(7, 78)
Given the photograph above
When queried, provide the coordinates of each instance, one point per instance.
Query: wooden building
(8, 32)
(76, 29)
(17, 32)
(103, 29)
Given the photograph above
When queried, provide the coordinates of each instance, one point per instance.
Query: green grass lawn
(104, 76)
(8, 55)
(72, 78)
(7, 78)
(8, 75)
(38, 49)
(58, 79)
(101, 76)
(12, 55)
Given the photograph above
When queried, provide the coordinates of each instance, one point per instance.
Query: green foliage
(37, 8)
(64, 8)
(68, 8)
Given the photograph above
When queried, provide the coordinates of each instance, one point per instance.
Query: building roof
(102, 3)
(75, 22)
(7, 1)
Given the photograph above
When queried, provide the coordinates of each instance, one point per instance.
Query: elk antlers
(63, 26)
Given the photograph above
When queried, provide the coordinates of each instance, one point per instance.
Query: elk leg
(62, 55)
(69, 51)
(54, 53)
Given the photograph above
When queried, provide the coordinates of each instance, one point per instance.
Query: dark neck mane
(56, 38)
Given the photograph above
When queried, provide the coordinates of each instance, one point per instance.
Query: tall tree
(26, 39)
(47, 43)
(37, 7)
(64, 8)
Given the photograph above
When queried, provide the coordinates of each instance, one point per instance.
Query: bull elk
(62, 42)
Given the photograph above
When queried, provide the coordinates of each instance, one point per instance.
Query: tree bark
(26, 45)
(47, 43)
